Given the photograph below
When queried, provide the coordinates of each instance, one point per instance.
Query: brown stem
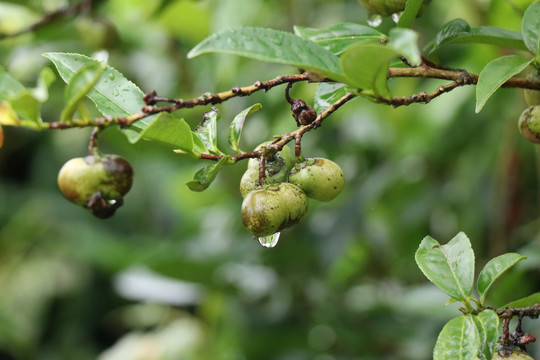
(93, 143)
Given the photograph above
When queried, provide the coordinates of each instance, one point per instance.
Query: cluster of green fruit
(529, 121)
(283, 198)
(96, 182)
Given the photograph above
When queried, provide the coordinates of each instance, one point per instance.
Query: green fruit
(529, 124)
(532, 97)
(276, 169)
(385, 7)
(272, 208)
(97, 183)
(321, 179)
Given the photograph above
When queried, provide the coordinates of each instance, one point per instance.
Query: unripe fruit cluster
(96, 183)
(283, 199)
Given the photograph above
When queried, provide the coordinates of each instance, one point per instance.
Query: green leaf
(450, 266)
(525, 302)
(405, 41)
(10, 87)
(114, 95)
(328, 93)
(45, 79)
(169, 130)
(412, 7)
(458, 339)
(530, 28)
(235, 130)
(271, 46)
(338, 37)
(494, 74)
(487, 324)
(205, 176)
(366, 67)
(207, 131)
(458, 31)
(81, 83)
(493, 270)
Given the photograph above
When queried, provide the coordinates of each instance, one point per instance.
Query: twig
(84, 5)
(531, 311)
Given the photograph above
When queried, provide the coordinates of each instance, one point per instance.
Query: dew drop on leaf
(269, 241)
(396, 16)
(374, 20)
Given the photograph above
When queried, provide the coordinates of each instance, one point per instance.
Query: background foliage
(175, 275)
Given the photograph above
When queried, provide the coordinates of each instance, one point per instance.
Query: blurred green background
(174, 275)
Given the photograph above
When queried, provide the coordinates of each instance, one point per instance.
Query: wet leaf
(450, 266)
(81, 83)
(458, 339)
(494, 74)
(337, 38)
(487, 324)
(458, 31)
(493, 270)
(530, 28)
(405, 42)
(205, 176)
(525, 302)
(328, 93)
(366, 67)
(235, 130)
(169, 130)
(271, 46)
(412, 7)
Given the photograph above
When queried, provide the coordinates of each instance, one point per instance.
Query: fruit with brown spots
(321, 179)
(272, 208)
(97, 183)
(529, 124)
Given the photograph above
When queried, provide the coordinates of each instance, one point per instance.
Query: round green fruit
(321, 179)
(385, 7)
(276, 169)
(529, 124)
(272, 208)
(97, 183)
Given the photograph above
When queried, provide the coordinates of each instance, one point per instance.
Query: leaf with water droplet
(493, 270)
(235, 130)
(269, 241)
(375, 20)
(272, 46)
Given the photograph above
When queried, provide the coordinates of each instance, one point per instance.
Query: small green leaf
(487, 324)
(530, 28)
(198, 143)
(525, 302)
(458, 339)
(405, 41)
(207, 131)
(169, 130)
(328, 93)
(235, 130)
(412, 7)
(366, 67)
(81, 83)
(494, 74)
(458, 31)
(205, 176)
(450, 266)
(114, 95)
(493, 270)
(338, 37)
(271, 46)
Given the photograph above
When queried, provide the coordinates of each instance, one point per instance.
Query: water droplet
(374, 20)
(278, 39)
(111, 76)
(396, 16)
(269, 241)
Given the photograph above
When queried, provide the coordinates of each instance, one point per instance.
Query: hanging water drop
(269, 241)
(375, 20)
(396, 16)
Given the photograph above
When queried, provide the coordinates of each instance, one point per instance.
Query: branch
(508, 313)
(84, 5)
